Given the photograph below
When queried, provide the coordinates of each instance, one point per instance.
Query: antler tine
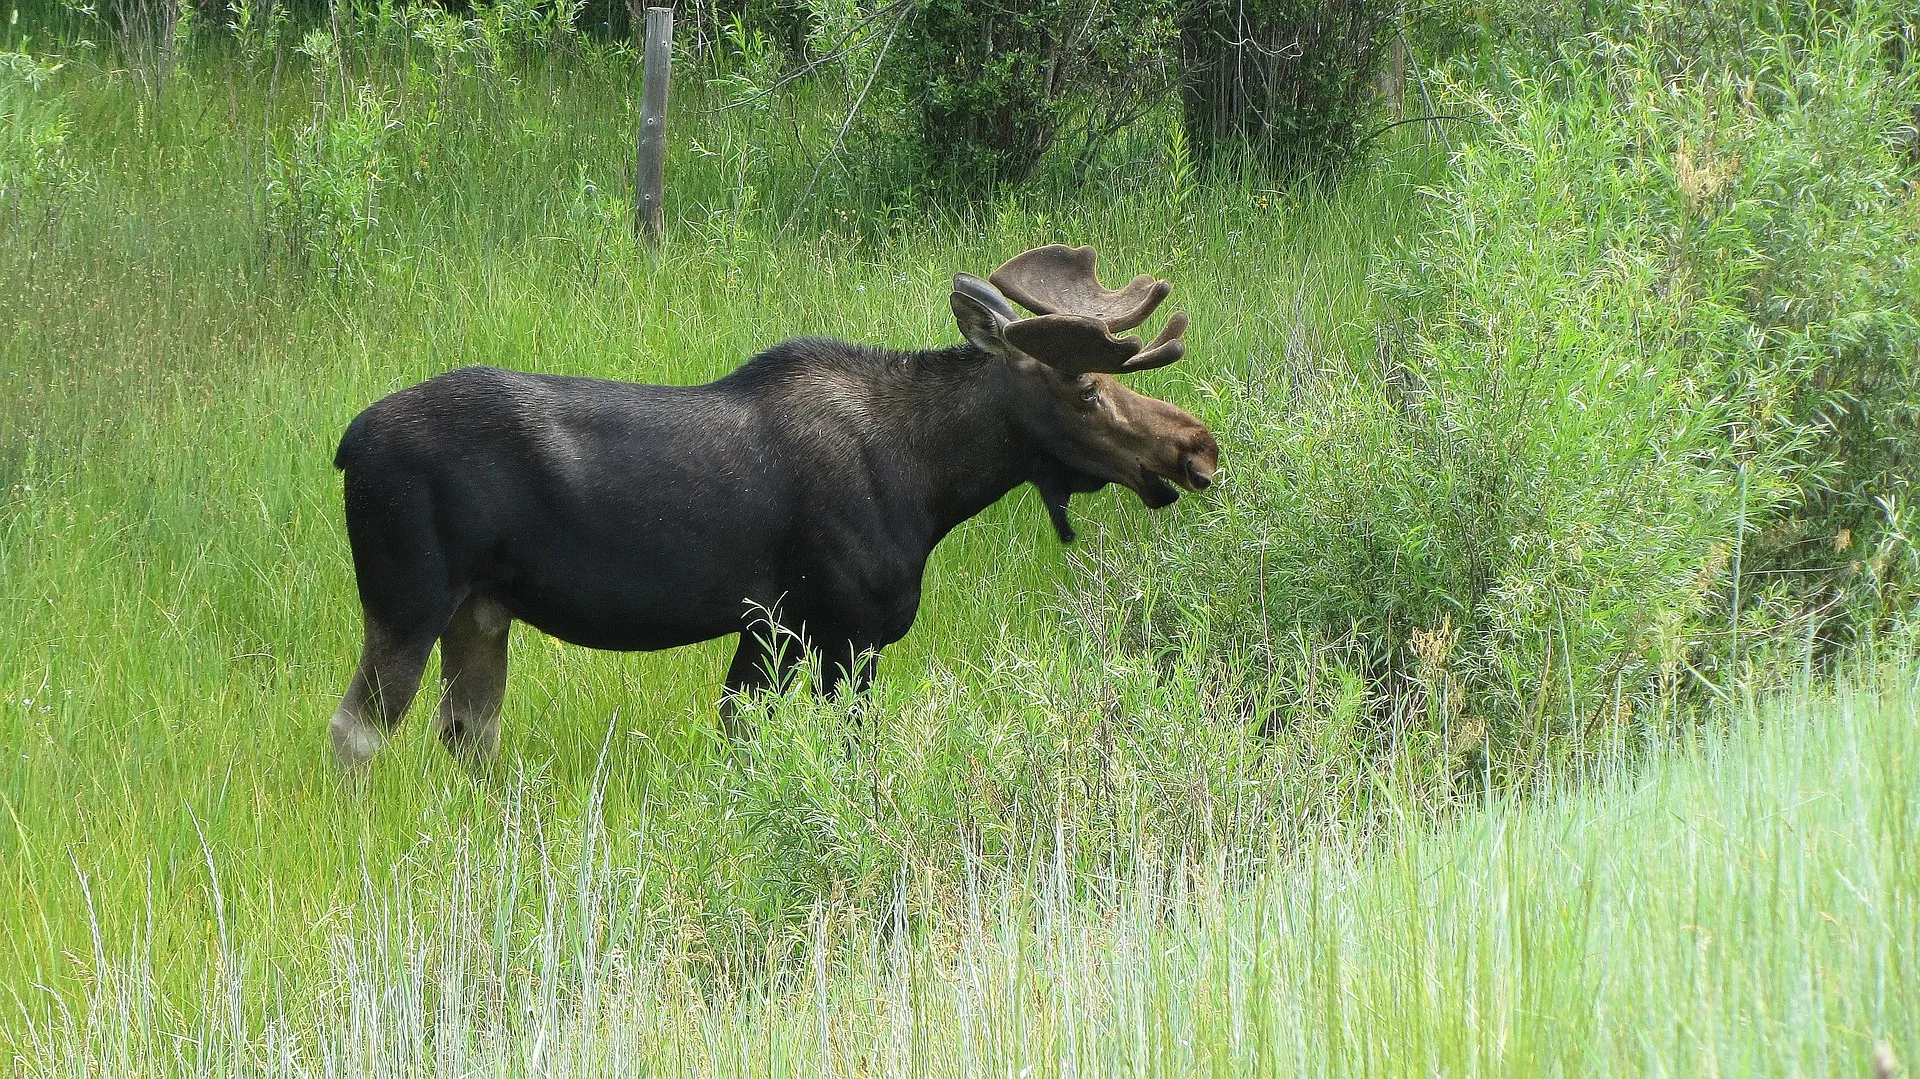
(1079, 344)
(1060, 280)
(1164, 349)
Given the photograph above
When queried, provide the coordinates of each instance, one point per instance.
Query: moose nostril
(1200, 480)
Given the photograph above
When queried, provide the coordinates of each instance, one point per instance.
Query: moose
(798, 497)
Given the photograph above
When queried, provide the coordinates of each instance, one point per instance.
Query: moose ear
(982, 313)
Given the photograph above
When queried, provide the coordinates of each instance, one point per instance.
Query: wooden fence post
(1393, 73)
(650, 143)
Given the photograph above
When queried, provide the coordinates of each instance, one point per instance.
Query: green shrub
(1290, 82)
(34, 163)
(1817, 208)
(707, 29)
(987, 90)
(747, 66)
(507, 29)
(323, 184)
(1657, 343)
(1081, 750)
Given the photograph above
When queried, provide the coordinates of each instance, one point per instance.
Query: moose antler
(1059, 280)
(1075, 317)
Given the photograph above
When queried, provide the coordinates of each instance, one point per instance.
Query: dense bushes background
(1291, 83)
(1640, 418)
(988, 89)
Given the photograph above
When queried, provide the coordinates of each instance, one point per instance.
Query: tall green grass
(1749, 904)
(182, 601)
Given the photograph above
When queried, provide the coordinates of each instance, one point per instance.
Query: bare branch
(840, 138)
(840, 49)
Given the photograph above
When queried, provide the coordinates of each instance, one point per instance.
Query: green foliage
(987, 90)
(325, 180)
(258, 28)
(1748, 901)
(492, 38)
(1289, 82)
(1657, 344)
(840, 36)
(703, 28)
(323, 183)
(1796, 175)
(749, 67)
(1505, 38)
(1502, 459)
(168, 480)
(35, 165)
(507, 29)
(1139, 760)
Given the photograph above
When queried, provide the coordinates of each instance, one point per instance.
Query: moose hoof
(472, 745)
(354, 741)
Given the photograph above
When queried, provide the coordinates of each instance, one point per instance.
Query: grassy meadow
(1475, 724)
(175, 548)
(1749, 905)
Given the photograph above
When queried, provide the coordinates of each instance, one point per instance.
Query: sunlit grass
(1748, 904)
(1108, 811)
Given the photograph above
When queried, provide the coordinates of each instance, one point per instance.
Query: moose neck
(965, 450)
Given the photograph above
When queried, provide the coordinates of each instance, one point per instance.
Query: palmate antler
(1075, 317)
(1059, 280)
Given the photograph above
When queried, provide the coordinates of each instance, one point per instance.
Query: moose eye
(1089, 397)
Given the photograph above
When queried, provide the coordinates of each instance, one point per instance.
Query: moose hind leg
(473, 679)
(406, 595)
(382, 688)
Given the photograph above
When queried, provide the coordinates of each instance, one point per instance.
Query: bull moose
(808, 487)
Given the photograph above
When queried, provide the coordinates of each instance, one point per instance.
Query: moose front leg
(849, 663)
(765, 659)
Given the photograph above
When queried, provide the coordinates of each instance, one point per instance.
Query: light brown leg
(473, 679)
(377, 698)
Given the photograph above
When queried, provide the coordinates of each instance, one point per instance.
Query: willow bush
(1640, 415)
(1289, 82)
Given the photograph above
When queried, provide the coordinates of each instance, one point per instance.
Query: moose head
(1066, 354)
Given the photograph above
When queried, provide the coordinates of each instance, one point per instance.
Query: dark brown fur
(807, 488)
